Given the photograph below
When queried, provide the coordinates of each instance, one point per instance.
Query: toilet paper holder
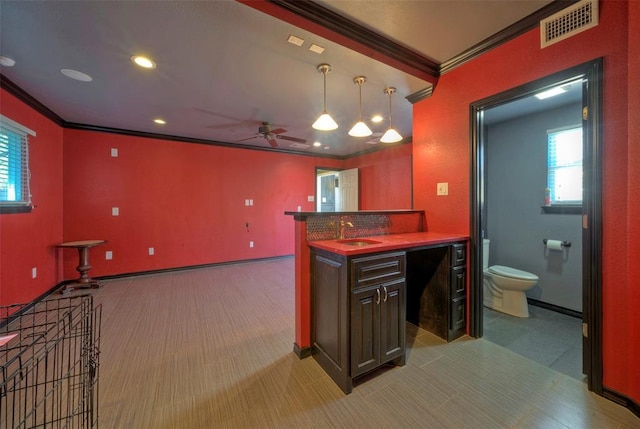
(564, 243)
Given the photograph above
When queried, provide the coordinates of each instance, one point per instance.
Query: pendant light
(391, 135)
(325, 122)
(360, 129)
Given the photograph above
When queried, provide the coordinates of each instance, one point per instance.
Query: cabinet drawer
(457, 315)
(458, 254)
(377, 269)
(458, 282)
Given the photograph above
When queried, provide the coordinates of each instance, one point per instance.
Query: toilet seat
(513, 273)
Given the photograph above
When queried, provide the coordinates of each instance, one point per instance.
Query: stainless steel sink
(358, 242)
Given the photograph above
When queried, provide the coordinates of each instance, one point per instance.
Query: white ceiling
(224, 67)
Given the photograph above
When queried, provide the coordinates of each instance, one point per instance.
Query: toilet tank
(485, 253)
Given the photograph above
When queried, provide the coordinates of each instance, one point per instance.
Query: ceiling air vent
(568, 22)
(299, 145)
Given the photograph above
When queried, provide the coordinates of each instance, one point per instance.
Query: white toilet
(504, 287)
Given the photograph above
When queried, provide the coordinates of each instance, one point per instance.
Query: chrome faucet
(341, 228)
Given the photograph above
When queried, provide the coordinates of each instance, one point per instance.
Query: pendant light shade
(391, 135)
(360, 129)
(325, 122)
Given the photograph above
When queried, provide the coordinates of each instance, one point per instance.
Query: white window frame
(553, 167)
(9, 203)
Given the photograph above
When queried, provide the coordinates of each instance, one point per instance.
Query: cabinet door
(392, 320)
(365, 329)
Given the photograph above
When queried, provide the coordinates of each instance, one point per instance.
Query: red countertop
(387, 242)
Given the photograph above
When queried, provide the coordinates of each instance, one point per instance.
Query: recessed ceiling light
(551, 93)
(143, 62)
(317, 144)
(74, 74)
(160, 121)
(315, 48)
(295, 40)
(376, 118)
(7, 62)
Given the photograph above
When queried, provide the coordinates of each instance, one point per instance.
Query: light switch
(152, 251)
(114, 152)
(310, 198)
(251, 244)
(115, 211)
(34, 272)
(108, 255)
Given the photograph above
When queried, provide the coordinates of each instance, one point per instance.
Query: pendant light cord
(324, 73)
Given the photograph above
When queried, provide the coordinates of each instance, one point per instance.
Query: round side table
(83, 246)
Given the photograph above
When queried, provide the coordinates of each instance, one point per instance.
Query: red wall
(187, 201)
(441, 154)
(633, 231)
(27, 240)
(184, 200)
(385, 178)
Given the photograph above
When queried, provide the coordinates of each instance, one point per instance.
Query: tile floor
(547, 337)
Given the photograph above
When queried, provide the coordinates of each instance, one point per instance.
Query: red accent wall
(27, 240)
(187, 201)
(441, 154)
(633, 192)
(384, 178)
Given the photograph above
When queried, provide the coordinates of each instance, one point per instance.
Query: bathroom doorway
(588, 78)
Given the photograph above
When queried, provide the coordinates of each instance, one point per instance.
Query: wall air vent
(570, 21)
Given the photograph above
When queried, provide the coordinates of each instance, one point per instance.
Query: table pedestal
(84, 281)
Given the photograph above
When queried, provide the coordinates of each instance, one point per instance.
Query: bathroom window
(15, 195)
(564, 167)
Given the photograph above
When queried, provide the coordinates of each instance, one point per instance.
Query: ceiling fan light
(391, 136)
(325, 123)
(360, 129)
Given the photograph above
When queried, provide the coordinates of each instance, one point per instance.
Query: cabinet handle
(378, 300)
(385, 294)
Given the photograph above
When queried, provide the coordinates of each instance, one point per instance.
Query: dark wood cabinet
(358, 313)
(377, 326)
(436, 289)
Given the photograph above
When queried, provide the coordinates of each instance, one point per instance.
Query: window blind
(14, 166)
(564, 165)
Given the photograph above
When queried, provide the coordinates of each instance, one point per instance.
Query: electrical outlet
(250, 202)
(443, 188)
(251, 244)
(310, 198)
(246, 202)
(152, 251)
(115, 211)
(114, 152)
(108, 255)
(34, 272)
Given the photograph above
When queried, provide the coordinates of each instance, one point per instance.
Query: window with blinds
(564, 165)
(15, 194)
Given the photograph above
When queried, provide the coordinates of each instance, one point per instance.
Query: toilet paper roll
(554, 244)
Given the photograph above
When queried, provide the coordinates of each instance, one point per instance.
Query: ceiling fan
(272, 134)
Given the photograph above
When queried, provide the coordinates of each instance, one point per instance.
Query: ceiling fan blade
(248, 138)
(292, 139)
(272, 142)
(278, 131)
